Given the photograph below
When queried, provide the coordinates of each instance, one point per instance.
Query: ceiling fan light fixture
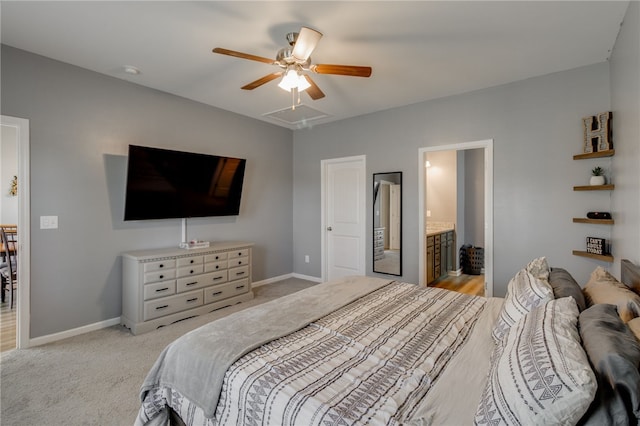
(292, 79)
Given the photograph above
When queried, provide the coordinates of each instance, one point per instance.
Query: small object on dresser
(599, 215)
(596, 245)
(193, 244)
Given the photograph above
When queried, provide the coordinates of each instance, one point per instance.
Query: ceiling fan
(295, 60)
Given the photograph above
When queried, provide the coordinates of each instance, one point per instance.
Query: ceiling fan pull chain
(293, 99)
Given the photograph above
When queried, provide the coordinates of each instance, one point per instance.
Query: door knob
(329, 228)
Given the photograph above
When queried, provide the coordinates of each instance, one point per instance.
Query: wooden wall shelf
(609, 187)
(596, 221)
(599, 154)
(603, 257)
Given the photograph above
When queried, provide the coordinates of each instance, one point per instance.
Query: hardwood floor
(7, 327)
(467, 284)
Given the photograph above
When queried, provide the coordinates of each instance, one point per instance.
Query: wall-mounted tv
(163, 184)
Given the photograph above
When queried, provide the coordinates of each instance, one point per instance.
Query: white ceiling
(419, 50)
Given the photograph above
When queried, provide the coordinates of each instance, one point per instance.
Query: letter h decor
(597, 132)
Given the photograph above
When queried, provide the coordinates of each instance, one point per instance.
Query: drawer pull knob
(161, 307)
(238, 287)
(192, 300)
(161, 276)
(191, 271)
(162, 289)
(217, 266)
(193, 283)
(161, 265)
(217, 293)
(217, 278)
(240, 273)
(217, 257)
(239, 254)
(191, 261)
(239, 262)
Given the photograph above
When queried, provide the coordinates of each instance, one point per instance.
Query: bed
(364, 350)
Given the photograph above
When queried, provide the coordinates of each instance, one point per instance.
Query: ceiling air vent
(301, 116)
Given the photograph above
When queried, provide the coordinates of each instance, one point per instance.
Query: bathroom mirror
(387, 223)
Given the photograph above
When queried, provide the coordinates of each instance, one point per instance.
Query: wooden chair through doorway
(9, 262)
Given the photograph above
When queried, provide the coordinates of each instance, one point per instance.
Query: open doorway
(456, 212)
(15, 211)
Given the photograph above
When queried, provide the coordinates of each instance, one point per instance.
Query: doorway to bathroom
(456, 212)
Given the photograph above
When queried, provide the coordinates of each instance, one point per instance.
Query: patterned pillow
(539, 268)
(524, 292)
(605, 288)
(541, 374)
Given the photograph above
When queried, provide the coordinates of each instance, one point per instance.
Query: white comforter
(402, 354)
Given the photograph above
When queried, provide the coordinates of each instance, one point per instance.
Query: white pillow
(540, 374)
(539, 268)
(524, 292)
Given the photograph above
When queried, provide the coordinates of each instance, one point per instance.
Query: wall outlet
(306, 258)
(48, 222)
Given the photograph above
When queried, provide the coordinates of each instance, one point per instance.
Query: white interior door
(344, 217)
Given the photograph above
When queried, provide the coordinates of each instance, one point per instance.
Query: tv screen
(164, 184)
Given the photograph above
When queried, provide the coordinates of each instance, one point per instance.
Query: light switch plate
(48, 222)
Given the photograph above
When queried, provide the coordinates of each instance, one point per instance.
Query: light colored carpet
(94, 379)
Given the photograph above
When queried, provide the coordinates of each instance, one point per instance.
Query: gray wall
(441, 186)
(81, 124)
(625, 102)
(537, 128)
(474, 197)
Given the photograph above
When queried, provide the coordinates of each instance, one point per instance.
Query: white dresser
(160, 287)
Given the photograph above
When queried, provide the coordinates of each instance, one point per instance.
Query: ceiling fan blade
(241, 55)
(259, 82)
(305, 43)
(351, 70)
(314, 91)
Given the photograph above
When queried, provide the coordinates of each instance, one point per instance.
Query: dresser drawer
(193, 260)
(217, 277)
(215, 257)
(160, 265)
(215, 266)
(240, 261)
(238, 273)
(172, 304)
(225, 291)
(187, 271)
(151, 277)
(163, 288)
(238, 253)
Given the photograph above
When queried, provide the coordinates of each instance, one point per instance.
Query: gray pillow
(564, 285)
(614, 354)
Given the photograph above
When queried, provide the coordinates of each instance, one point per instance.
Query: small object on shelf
(599, 215)
(596, 245)
(597, 176)
(597, 132)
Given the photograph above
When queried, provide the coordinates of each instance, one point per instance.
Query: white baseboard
(284, 277)
(271, 280)
(307, 277)
(49, 338)
(455, 273)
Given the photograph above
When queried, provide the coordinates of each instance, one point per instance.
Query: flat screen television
(163, 184)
